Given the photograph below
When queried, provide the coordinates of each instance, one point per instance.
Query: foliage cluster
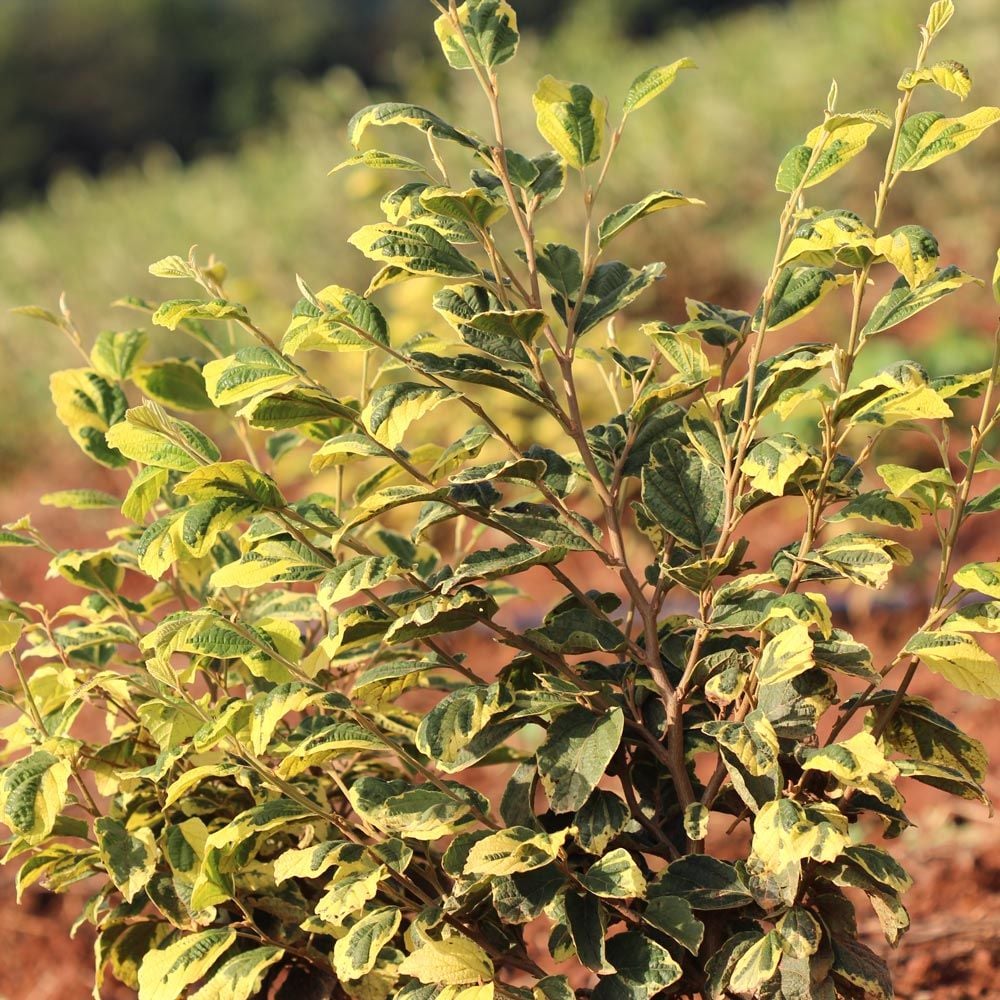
(275, 181)
(293, 703)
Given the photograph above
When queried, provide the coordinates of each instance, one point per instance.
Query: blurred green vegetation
(270, 212)
(90, 83)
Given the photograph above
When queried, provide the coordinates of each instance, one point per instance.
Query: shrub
(294, 695)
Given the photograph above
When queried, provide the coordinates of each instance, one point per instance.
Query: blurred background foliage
(92, 82)
(132, 130)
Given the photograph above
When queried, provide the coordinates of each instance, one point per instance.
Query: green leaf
(349, 892)
(149, 436)
(653, 82)
(422, 812)
(483, 322)
(977, 617)
(490, 30)
(912, 250)
(521, 325)
(959, 659)
(799, 933)
(33, 793)
(37, 312)
(984, 578)
(493, 564)
(143, 493)
(757, 965)
(416, 248)
(474, 207)
(396, 113)
(11, 539)
(601, 818)
(858, 965)
(263, 818)
(561, 267)
(240, 977)
(246, 373)
(173, 266)
(864, 559)
(439, 615)
(280, 410)
(588, 927)
(659, 201)
(685, 493)
(310, 862)
(643, 968)
(893, 396)
(933, 488)
(706, 883)
(570, 119)
(450, 725)
(376, 159)
(115, 354)
(514, 850)
(902, 301)
(175, 383)
(270, 708)
(230, 480)
(920, 733)
(392, 408)
(208, 633)
(880, 507)
(783, 372)
(842, 653)
(851, 761)
(842, 137)
(616, 876)
(130, 858)
(576, 630)
(354, 575)
(786, 833)
(831, 238)
(773, 462)
(798, 291)
(335, 319)
(481, 371)
(578, 747)
(611, 287)
(88, 406)
(357, 951)
(542, 523)
(330, 743)
(278, 560)
(750, 752)
(174, 312)
(928, 137)
(166, 972)
(673, 915)
(553, 988)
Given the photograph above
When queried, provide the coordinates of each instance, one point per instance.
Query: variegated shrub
(261, 727)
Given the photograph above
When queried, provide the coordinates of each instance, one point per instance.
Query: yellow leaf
(787, 655)
(456, 961)
(570, 119)
(10, 633)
